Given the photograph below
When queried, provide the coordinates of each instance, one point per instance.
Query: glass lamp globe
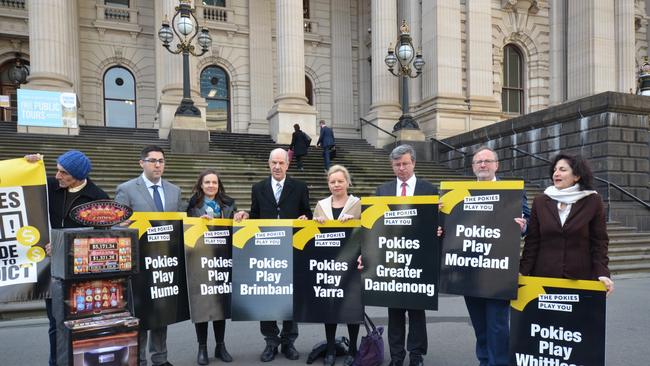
(165, 34)
(185, 25)
(405, 52)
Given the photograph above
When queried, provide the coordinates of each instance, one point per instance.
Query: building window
(309, 91)
(305, 9)
(512, 94)
(221, 3)
(12, 74)
(215, 89)
(119, 98)
(117, 3)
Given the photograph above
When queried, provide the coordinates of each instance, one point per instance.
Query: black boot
(202, 356)
(221, 353)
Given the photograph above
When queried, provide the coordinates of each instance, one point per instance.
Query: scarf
(569, 195)
(216, 209)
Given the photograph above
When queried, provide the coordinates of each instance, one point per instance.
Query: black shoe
(416, 362)
(348, 360)
(329, 360)
(221, 353)
(396, 363)
(269, 353)
(290, 352)
(202, 356)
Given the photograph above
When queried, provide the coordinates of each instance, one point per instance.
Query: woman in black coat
(299, 144)
(209, 201)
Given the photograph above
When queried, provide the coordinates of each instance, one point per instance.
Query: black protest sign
(401, 253)
(24, 231)
(327, 284)
(262, 273)
(208, 263)
(559, 322)
(480, 249)
(160, 290)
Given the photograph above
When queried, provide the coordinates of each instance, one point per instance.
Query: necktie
(278, 192)
(403, 189)
(156, 198)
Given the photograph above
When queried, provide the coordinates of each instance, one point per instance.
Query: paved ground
(451, 339)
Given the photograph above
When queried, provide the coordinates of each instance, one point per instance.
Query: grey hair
(402, 150)
(286, 155)
(485, 147)
(340, 168)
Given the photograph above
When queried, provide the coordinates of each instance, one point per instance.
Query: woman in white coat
(339, 206)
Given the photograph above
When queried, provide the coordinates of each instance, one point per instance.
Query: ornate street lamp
(644, 78)
(185, 26)
(406, 60)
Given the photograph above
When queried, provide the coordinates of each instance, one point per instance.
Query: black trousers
(274, 337)
(51, 331)
(219, 328)
(416, 344)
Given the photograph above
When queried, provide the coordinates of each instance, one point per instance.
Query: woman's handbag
(371, 347)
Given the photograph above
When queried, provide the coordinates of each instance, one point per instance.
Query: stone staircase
(241, 160)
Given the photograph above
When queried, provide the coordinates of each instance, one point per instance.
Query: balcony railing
(217, 14)
(311, 26)
(116, 14)
(13, 4)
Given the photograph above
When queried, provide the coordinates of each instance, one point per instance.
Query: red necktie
(403, 189)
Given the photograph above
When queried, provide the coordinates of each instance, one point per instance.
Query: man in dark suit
(406, 184)
(150, 193)
(326, 141)
(490, 316)
(278, 197)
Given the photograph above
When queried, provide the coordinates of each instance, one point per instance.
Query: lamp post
(185, 26)
(406, 60)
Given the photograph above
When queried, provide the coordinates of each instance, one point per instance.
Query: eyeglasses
(487, 161)
(154, 161)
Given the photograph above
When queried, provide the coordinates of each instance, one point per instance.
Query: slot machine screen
(101, 254)
(97, 297)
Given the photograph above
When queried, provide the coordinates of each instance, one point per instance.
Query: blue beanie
(75, 163)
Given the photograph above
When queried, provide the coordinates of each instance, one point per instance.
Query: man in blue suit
(490, 317)
(326, 141)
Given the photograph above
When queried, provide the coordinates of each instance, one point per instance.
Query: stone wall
(609, 129)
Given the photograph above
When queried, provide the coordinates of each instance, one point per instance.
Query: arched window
(512, 94)
(12, 74)
(309, 91)
(119, 98)
(215, 89)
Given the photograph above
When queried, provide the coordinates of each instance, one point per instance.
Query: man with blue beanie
(70, 187)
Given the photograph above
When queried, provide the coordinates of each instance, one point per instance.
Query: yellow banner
(457, 191)
(378, 205)
(309, 229)
(251, 227)
(531, 287)
(142, 220)
(198, 226)
(20, 172)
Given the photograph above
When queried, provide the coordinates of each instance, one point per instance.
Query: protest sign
(401, 252)
(480, 249)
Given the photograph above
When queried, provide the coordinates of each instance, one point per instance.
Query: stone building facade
(275, 63)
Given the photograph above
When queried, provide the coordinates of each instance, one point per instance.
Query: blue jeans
(51, 331)
(490, 319)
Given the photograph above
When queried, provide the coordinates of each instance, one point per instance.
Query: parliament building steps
(241, 160)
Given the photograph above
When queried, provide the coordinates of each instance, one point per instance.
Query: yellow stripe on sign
(531, 287)
(304, 235)
(372, 214)
(492, 185)
(399, 200)
(195, 231)
(245, 233)
(141, 220)
(452, 198)
(20, 172)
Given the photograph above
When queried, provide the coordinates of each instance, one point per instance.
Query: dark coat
(326, 138)
(228, 209)
(577, 250)
(422, 188)
(294, 200)
(299, 143)
(58, 214)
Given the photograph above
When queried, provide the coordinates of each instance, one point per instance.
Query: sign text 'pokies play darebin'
(480, 249)
(400, 250)
(557, 322)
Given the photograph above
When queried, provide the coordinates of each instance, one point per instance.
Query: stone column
(442, 77)
(53, 54)
(479, 50)
(260, 50)
(557, 58)
(290, 102)
(591, 49)
(385, 108)
(341, 61)
(169, 77)
(625, 47)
